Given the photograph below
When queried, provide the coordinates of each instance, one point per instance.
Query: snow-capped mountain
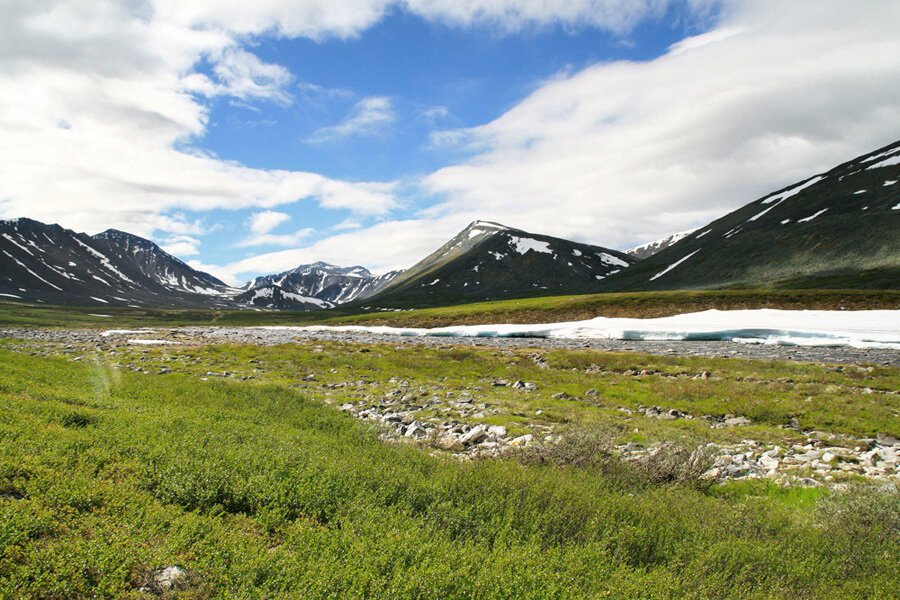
(650, 248)
(488, 260)
(838, 229)
(277, 298)
(47, 263)
(322, 281)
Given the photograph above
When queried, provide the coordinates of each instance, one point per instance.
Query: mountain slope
(47, 263)
(323, 281)
(491, 261)
(839, 229)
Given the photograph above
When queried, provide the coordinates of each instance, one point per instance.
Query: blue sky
(430, 76)
(249, 138)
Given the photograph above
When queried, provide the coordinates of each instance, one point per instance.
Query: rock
(415, 430)
(592, 393)
(165, 580)
(808, 482)
(828, 457)
(886, 439)
(347, 406)
(451, 444)
(704, 375)
(560, 396)
(768, 463)
(737, 422)
(497, 430)
(501, 382)
(522, 440)
(475, 435)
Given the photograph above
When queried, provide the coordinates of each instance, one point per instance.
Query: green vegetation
(524, 310)
(258, 488)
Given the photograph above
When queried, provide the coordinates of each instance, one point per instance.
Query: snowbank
(857, 329)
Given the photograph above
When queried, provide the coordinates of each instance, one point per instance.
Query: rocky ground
(266, 336)
(449, 420)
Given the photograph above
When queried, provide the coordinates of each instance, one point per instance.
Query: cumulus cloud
(368, 116)
(266, 221)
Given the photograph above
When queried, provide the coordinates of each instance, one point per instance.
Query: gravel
(270, 337)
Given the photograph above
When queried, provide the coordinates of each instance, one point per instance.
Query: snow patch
(609, 259)
(576, 251)
(523, 245)
(890, 182)
(811, 217)
(674, 264)
(857, 329)
(888, 162)
(11, 296)
(434, 282)
(99, 299)
(779, 198)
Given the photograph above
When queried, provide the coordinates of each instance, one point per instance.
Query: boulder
(474, 435)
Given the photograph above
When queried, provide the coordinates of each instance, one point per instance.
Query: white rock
(522, 440)
(497, 430)
(768, 463)
(475, 435)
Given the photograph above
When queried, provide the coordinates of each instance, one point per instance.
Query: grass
(524, 310)
(260, 489)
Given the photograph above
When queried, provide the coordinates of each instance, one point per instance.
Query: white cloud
(620, 151)
(100, 102)
(392, 244)
(272, 239)
(368, 116)
(266, 221)
(182, 245)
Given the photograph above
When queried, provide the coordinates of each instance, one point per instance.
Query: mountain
(322, 281)
(46, 263)
(838, 229)
(487, 261)
(277, 298)
(650, 248)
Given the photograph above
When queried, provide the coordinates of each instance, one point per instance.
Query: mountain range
(839, 229)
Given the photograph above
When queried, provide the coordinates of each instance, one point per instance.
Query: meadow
(235, 464)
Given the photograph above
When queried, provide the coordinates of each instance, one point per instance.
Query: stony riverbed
(432, 416)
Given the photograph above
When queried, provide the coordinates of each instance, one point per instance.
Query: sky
(251, 137)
